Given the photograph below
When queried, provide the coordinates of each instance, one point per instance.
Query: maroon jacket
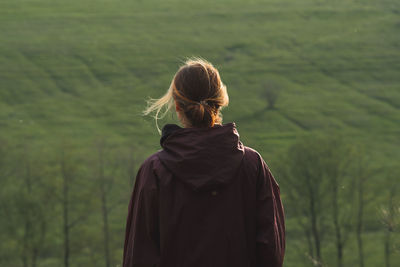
(204, 200)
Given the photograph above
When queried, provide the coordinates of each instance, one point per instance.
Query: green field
(72, 72)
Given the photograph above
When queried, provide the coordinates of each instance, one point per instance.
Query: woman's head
(197, 93)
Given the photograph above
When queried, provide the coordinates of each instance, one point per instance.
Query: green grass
(80, 69)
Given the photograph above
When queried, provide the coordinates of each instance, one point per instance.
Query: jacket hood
(202, 158)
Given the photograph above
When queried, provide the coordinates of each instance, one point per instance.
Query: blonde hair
(198, 89)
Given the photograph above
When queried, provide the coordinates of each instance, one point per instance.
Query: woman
(205, 199)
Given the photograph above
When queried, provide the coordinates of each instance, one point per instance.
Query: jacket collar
(202, 157)
(167, 130)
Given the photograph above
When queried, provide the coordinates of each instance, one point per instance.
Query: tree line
(335, 193)
(66, 204)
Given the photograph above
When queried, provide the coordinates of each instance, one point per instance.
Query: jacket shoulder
(152, 161)
(252, 153)
(255, 160)
(252, 158)
(147, 173)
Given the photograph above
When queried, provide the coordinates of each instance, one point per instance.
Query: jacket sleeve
(270, 221)
(141, 248)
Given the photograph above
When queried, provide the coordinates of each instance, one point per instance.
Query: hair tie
(202, 102)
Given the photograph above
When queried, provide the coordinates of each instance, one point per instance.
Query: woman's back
(204, 200)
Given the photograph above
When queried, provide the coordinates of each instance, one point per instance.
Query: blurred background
(314, 87)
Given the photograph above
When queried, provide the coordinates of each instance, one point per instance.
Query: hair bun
(201, 114)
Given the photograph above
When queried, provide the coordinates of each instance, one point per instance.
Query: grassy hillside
(78, 69)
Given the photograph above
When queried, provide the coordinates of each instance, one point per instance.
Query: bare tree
(27, 204)
(271, 93)
(32, 212)
(361, 180)
(8, 215)
(301, 179)
(362, 174)
(107, 168)
(72, 196)
(335, 162)
(105, 183)
(390, 219)
(66, 174)
(319, 188)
